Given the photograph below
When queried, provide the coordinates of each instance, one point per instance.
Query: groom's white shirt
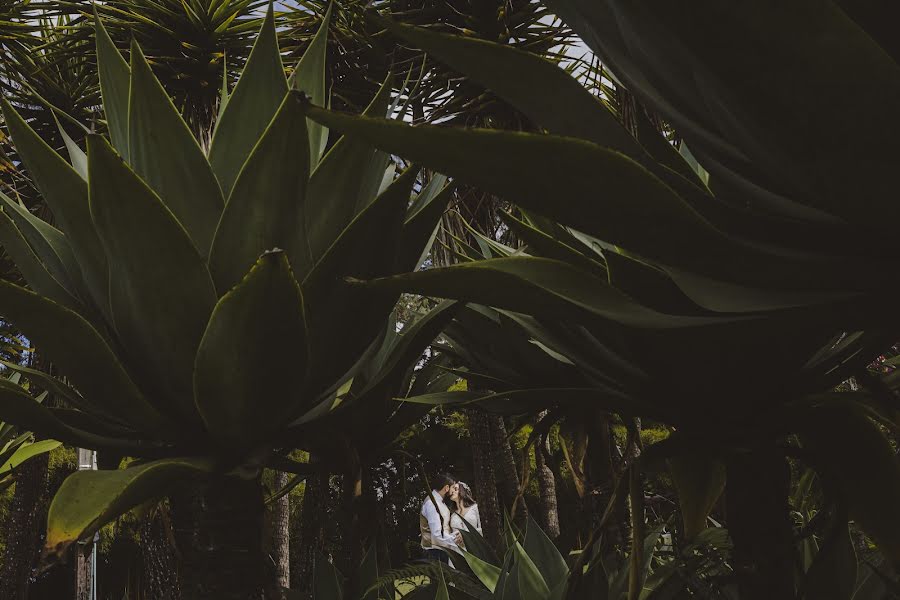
(434, 535)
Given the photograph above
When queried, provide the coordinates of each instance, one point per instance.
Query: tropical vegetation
(627, 267)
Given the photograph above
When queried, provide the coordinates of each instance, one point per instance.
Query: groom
(434, 522)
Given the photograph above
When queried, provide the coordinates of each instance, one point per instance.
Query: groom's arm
(434, 525)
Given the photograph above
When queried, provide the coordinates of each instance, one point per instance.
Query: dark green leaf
(251, 106)
(545, 555)
(115, 78)
(87, 500)
(266, 206)
(80, 353)
(252, 360)
(699, 480)
(161, 294)
(164, 153)
(309, 78)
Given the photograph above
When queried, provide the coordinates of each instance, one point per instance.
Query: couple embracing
(449, 509)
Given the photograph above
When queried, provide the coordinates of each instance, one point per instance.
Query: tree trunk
(219, 531)
(156, 540)
(84, 563)
(509, 471)
(26, 522)
(549, 516)
(758, 519)
(485, 477)
(312, 531)
(281, 533)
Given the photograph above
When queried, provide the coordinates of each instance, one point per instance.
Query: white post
(86, 563)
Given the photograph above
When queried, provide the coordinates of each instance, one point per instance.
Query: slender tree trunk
(312, 531)
(758, 519)
(549, 516)
(219, 531)
(26, 521)
(485, 476)
(156, 540)
(83, 570)
(509, 471)
(281, 533)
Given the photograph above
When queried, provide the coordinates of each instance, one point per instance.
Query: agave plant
(709, 299)
(197, 302)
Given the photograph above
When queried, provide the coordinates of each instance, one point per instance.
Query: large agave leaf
(31, 267)
(115, 84)
(422, 221)
(536, 286)
(543, 91)
(65, 192)
(80, 353)
(334, 198)
(250, 108)
(545, 555)
(309, 78)
(266, 208)
(631, 208)
(161, 294)
(366, 247)
(242, 392)
(48, 243)
(164, 153)
(87, 500)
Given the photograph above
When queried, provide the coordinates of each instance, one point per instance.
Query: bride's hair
(465, 494)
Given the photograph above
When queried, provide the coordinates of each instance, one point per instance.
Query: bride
(464, 510)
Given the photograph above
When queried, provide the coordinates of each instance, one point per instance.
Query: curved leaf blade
(164, 153)
(266, 206)
(161, 295)
(243, 393)
(87, 500)
(251, 106)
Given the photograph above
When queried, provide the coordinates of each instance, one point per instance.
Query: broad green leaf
(334, 194)
(545, 555)
(251, 106)
(422, 221)
(535, 286)
(27, 412)
(266, 206)
(543, 91)
(487, 573)
(80, 353)
(531, 584)
(57, 388)
(699, 480)
(66, 193)
(26, 452)
(328, 583)
(632, 208)
(309, 78)
(164, 153)
(542, 244)
(31, 267)
(48, 243)
(832, 575)
(115, 77)
(87, 500)
(77, 156)
(242, 392)
(161, 294)
(365, 248)
(852, 454)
